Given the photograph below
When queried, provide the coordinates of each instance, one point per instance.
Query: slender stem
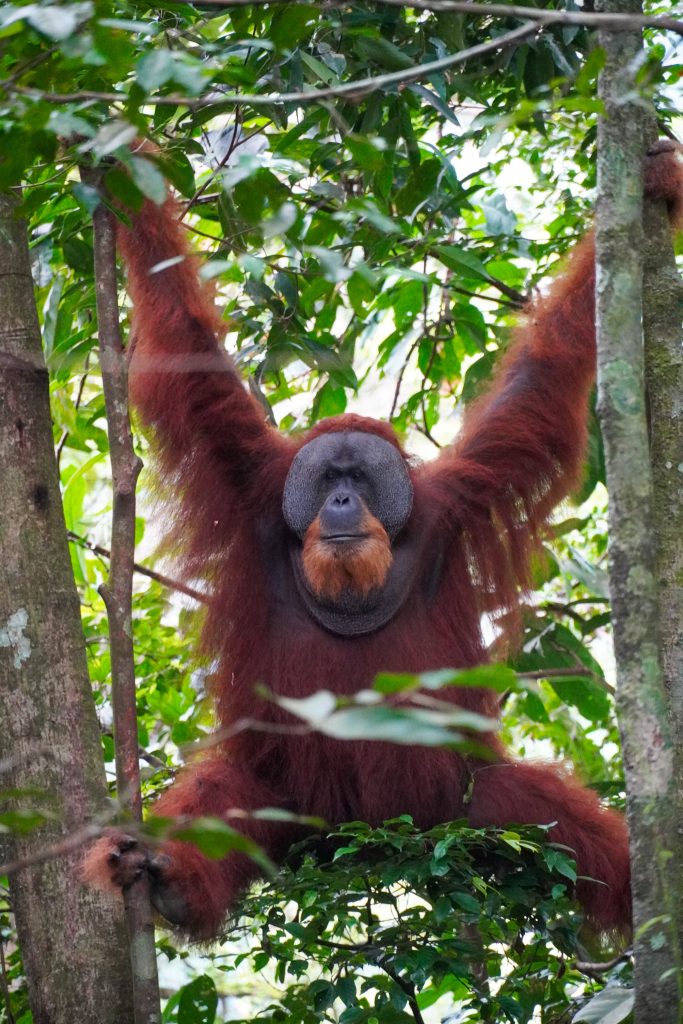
(117, 594)
(406, 987)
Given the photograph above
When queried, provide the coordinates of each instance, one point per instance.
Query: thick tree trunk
(73, 943)
(654, 806)
(663, 290)
(663, 298)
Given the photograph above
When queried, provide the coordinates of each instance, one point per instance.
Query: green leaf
(292, 25)
(368, 153)
(378, 50)
(65, 123)
(561, 861)
(500, 220)
(320, 71)
(500, 678)
(610, 1006)
(154, 69)
(58, 21)
(111, 136)
(431, 97)
(456, 258)
(592, 576)
(198, 1001)
(216, 839)
(88, 196)
(23, 821)
(467, 902)
(148, 179)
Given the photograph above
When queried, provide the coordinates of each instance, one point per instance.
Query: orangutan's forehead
(351, 444)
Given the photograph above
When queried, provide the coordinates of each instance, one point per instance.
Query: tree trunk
(653, 802)
(117, 594)
(663, 290)
(73, 941)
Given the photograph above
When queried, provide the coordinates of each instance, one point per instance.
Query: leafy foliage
(382, 925)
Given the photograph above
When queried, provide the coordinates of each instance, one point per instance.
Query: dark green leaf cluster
(378, 925)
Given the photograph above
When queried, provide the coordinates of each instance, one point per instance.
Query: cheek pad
(301, 501)
(392, 498)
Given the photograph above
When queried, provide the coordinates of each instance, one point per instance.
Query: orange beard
(361, 565)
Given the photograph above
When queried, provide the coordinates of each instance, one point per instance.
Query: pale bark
(73, 940)
(653, 802)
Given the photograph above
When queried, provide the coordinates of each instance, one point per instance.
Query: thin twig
(155, 762)
(220, 736)
(424, 430)
(597, 970)
(261, 399)
(151, 759)
(399, 379)
(406, 987)
(64, 846)
(35, 750)
(152, 574)
(587, 19)
(516, 298)
(30, 65)
(448, 287)
(559, 673)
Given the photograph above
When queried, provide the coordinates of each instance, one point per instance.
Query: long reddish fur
(485, 502)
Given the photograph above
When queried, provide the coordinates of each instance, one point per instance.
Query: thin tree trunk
(118, 596)
(653, 801)
(73, 941)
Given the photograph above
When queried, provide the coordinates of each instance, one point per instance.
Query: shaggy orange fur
(330, 567)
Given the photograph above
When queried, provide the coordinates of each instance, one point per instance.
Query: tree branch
(616, 22)
(406, 987)
(117, 595)
(559, 673)
(55, 850)
(355, 90)
(599, 969)
(152, 574)
(649, 754)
